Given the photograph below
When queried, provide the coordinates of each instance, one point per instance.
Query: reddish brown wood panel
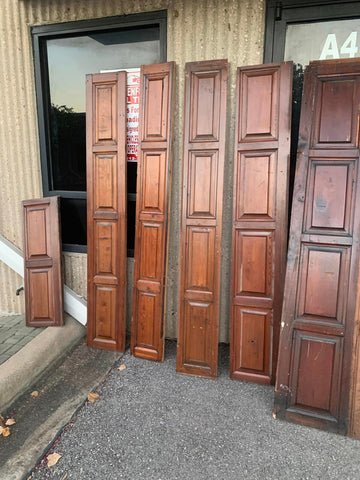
(42, 263)
(106, 209)
(314, 368)
(153, 199)
(200, 239)
(261, 164)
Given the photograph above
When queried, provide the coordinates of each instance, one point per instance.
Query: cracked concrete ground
(151, 423)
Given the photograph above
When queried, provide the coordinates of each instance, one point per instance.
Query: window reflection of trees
(68, 148)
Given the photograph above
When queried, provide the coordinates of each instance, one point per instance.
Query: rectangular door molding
(106, 209)
(42, 263)
(201, 217)
(152, 208)
(261, 165)
(316, 355)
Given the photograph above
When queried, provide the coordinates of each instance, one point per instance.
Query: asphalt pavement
(151, 423)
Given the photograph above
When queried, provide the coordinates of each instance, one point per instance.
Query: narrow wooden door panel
(150, 257)
(252, 331)
(258, 96)
(41, 283)
(105, 315)
(201, 217)
(154, 175)
(156, 114)
(335, 109)
(106, 196)
(202, 184)
(200, 259)
(331, 194)
(198, 351)
(106, 208)
(316, 385)
(257, 173)
(152, 208)
(105, 122)
(260, 218)
(42, 263)
(205, 99)
(253, 250)
(314, 368)
(323, 280)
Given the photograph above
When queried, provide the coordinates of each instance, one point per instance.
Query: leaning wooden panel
(261, 165)
(106, 209)
(201, 218)
(316, 342)
(152, 207)
(42, 263)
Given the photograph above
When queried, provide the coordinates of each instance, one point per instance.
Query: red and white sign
(132, 112)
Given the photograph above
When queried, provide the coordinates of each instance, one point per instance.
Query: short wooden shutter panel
(313, 382)
(153, 191)
(42, 263)
(106, 205)
(201, 218)
(261, 165)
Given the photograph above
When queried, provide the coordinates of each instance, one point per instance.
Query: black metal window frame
(40, 34)
(279, 14)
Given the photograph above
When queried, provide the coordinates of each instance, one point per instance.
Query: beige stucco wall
(197, 30)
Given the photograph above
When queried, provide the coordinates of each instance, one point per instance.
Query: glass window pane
(322, 41)
(69, 60)
(73, 221)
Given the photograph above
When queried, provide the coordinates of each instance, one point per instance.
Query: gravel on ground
(151, 423)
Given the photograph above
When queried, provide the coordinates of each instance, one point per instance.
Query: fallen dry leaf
(122, 367)
(10, 421)
(65, 476)
(35, 393)
(52, 459)
(92, 397)
(6, 432)
(1, 429)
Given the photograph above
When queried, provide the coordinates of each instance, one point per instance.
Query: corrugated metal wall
(197, 30)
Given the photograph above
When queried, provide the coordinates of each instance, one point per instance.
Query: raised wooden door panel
(316, 379)
(201, 217)
(261, 164)
(152, 208)
(335, 112)
(42, 263)
(106, 209)
(331, 196)
(314, 367)
(258, 97)
(252, 332)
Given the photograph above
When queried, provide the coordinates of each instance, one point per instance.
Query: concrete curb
(26, 366)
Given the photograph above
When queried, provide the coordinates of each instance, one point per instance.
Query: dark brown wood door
(313, 381)
(202, 196)
(106, 209)
(153, 191)
(42, 263)
(261, 164)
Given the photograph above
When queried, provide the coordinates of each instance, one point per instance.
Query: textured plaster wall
(197, 30)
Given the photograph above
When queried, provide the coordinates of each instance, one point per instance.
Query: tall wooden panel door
(42, 263)
(202, 196)
(106, 209)
(313, 381)
(261, 165)
(153, 193)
